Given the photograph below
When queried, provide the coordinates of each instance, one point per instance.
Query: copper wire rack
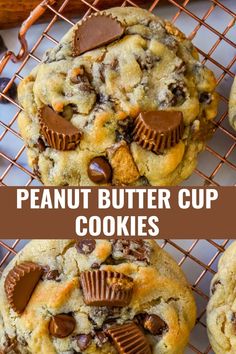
(211, 19)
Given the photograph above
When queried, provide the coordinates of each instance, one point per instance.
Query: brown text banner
(176, 212)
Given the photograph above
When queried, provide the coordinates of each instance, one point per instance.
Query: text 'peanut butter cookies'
(96, 31)
(59, 133)
(20, 283)
(105, 288)
(129, 339)
(158, 130)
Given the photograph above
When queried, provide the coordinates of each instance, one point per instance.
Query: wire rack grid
(217, 165)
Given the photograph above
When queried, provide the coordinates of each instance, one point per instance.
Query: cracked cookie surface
(221, 310)
(101, 92)
(162, 304)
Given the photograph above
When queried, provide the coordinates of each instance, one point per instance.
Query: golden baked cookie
(58, 296)
(221, 310)
(134, 86)
(232, 105)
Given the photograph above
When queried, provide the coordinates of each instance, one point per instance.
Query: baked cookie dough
(221, 310)
(101, 95)
(232, 105)
(58, 296)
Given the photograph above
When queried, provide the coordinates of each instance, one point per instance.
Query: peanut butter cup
(59, 133)
(129, 339)
(20, 283)
(158, 130)
(106, 288)
(96, 31)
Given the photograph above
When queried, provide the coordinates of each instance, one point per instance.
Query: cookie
(132, 94)
(221, 310)
(232, 105)
(85, 297)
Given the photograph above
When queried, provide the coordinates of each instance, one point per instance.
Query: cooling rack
(211, 26)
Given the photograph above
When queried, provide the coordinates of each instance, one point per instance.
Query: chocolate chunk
(154, 324)
(20, 283)
(101, 338)
(41, 145)
(233, 318)
(128, 338)
(96, 31)
(11, 91)
(158, 130)
(58, 132)
(214, 286)
(179, 93)
(95, 265)
(85, 246)
(124, 130)
(83, 341)
(51, 275)
(106, 288)
(3, 47)
(205, 97)
(137, 250)
(99, 170)
(61, 326)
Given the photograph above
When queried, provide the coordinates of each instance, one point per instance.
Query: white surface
(204, 39)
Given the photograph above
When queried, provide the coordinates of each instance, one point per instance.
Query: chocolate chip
(41, 145)
(137, 250)
(3, 47)
(233, 318)
(11, 91)
(62, 325)
(95, 265)
(179, 94)
(85, 246)
(155, 325)
(51, 275)
(214, 286)
(124, 130)
(101, 338)
(205, 97)
(99, 170)
(148, 61)
(83, 341)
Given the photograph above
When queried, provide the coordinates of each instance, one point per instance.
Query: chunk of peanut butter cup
(62, 325)
(99, 170)
(96, 31)
(158, 130)
(106, 288)
(59, 133)
(129, 339)
(20, 284)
